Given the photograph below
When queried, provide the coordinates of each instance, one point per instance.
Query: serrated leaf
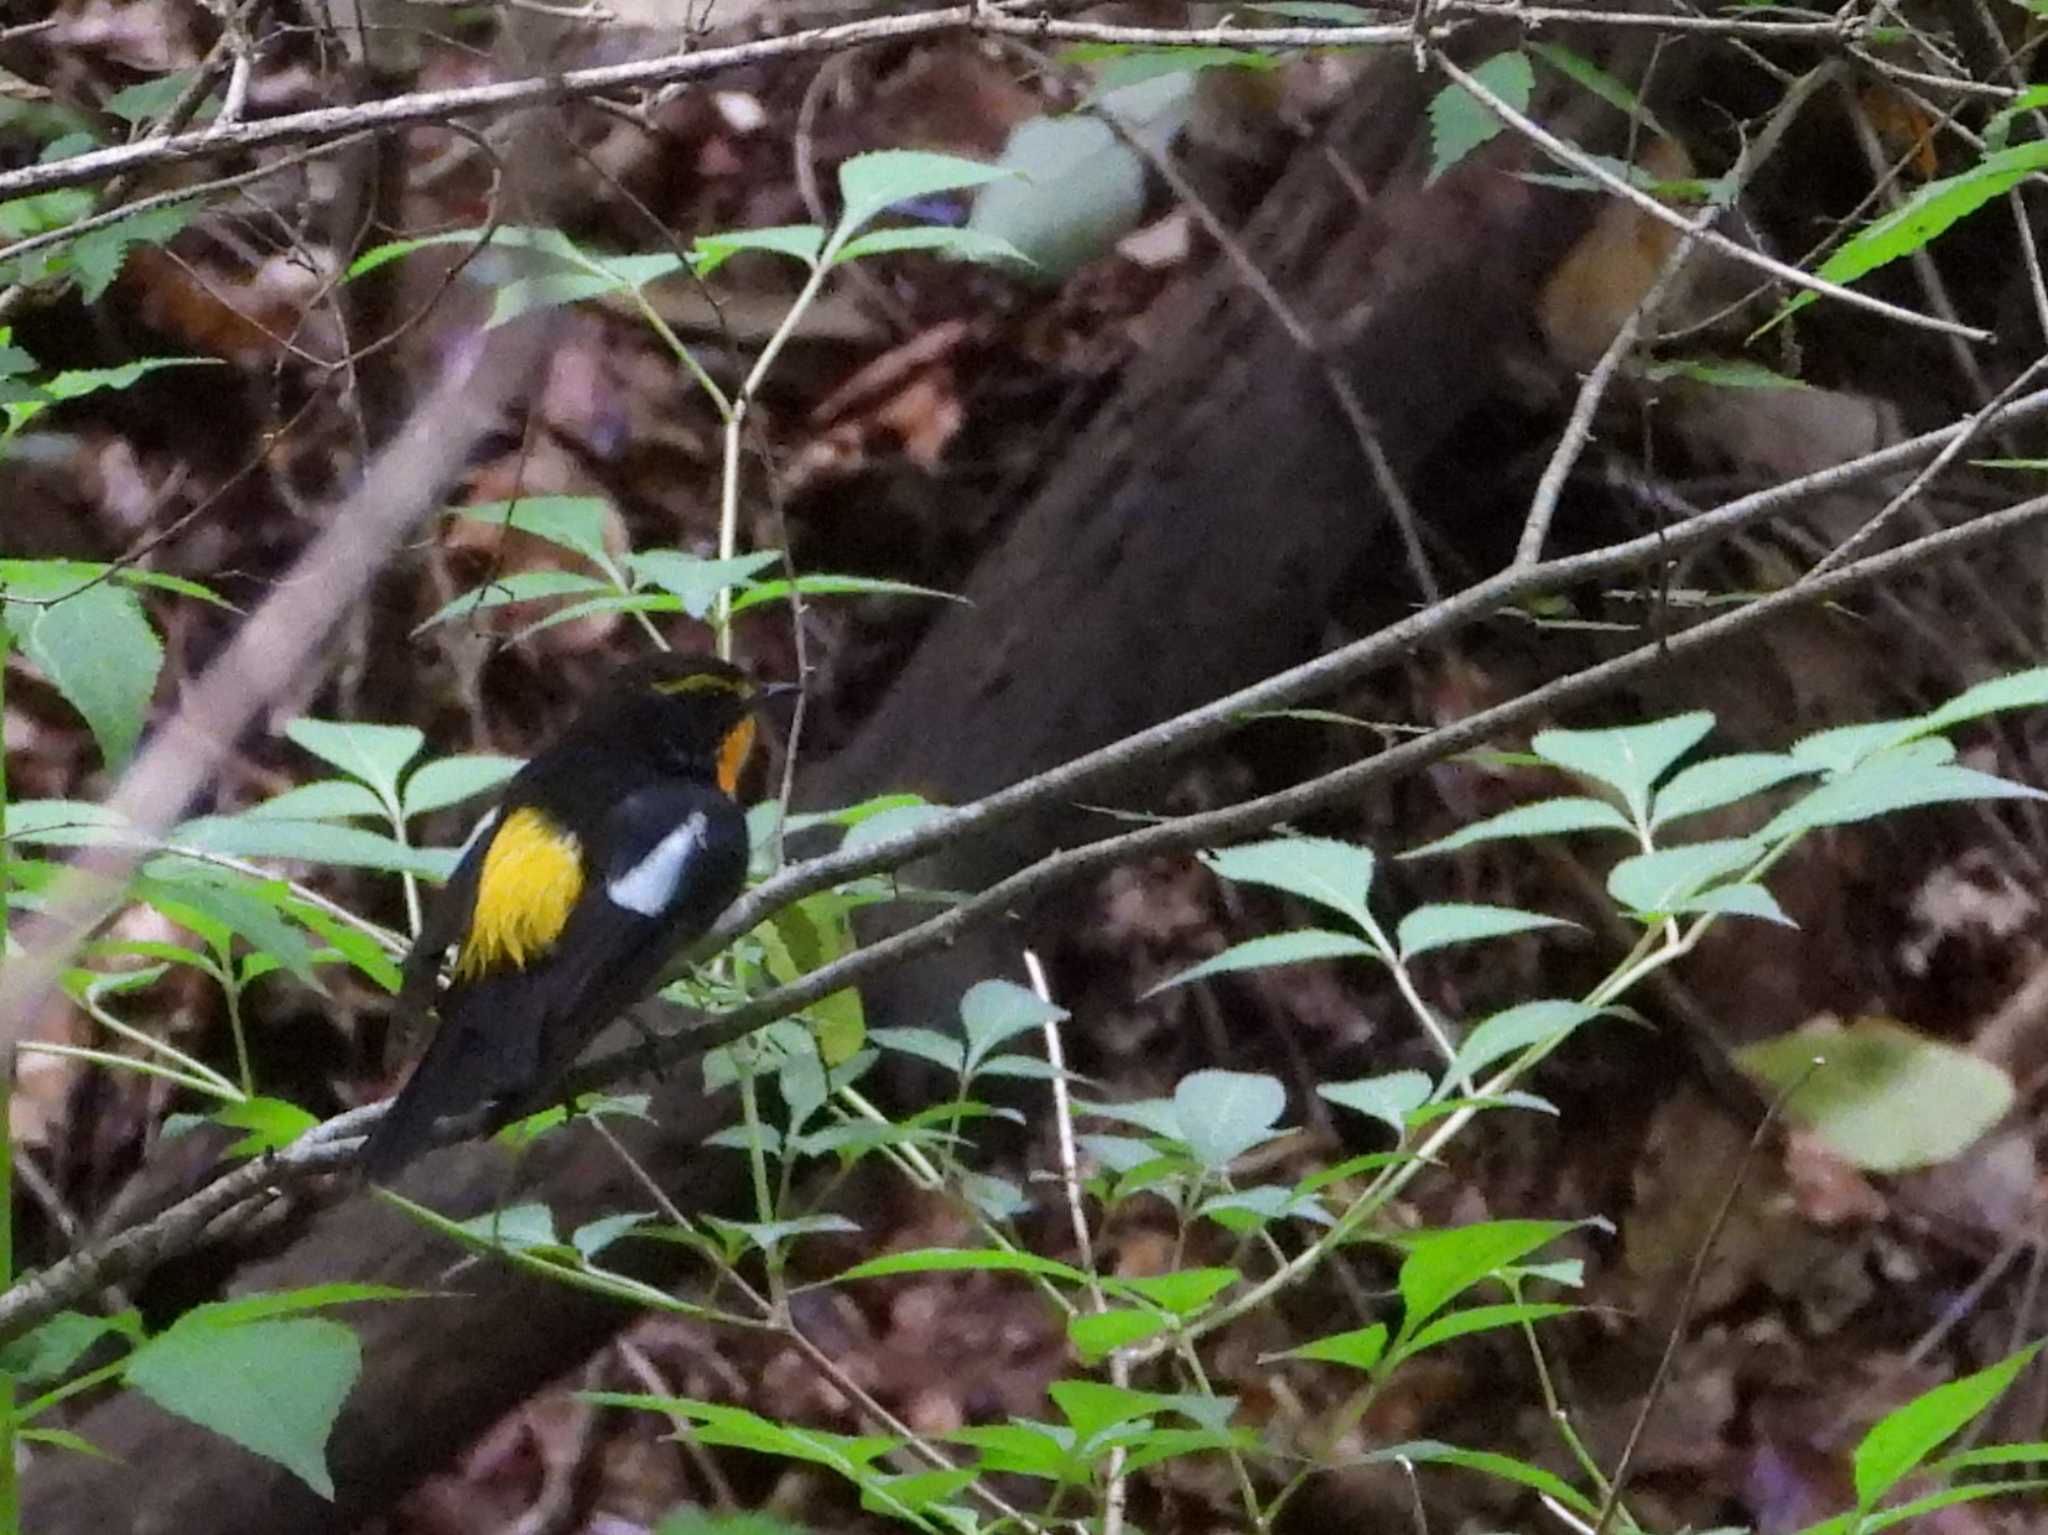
(1437, 927)
(1361, 1348)
(1516, 1029)
(994, 1011)
(778, 590)
(1390, 1098)
(575, 523)
(1628, 759)
(1223, 1114)
(377, 754)
(1905, 1437)
(1545, 818)
(1583, 72)
(1332, 874)
(331, 799)
(872, 182)
(2018, 690)
(312, 842)
(274, 1388)
(1442, 1265)
(1459, 122)
(96, 648)
(1923, 217)
(1096, 1335)
(1295, 948)
(450, 780)
(802, 242)
(272, 1122)
(1721, 781)
(946, 1260)
(1652, 884)
(1883, 1098)
(957, 244)
(1748, 900)
(1892, 780)
(517, 586)
(696, 582)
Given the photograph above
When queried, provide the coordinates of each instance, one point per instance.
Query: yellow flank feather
(732, 755)
(533, 873)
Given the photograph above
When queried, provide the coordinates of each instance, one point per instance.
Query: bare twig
(1586, 165)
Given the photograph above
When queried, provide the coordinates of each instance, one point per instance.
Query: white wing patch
(650, 885)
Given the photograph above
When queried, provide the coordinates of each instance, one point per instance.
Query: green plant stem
(736, 421)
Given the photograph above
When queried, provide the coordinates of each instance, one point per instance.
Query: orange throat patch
(732, 756)
(532, 875)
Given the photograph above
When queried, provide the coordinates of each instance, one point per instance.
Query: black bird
(605, 854)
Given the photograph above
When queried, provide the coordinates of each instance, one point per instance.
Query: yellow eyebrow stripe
(702, 682)
(532, 875)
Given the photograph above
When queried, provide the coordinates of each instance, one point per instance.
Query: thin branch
(419, 108)
(1578, 160)
(332, 1145)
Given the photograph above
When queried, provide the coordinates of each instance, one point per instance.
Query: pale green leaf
(1459, 122)
(1881, 1096)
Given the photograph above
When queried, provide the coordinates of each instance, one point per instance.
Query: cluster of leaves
(1183, 1153)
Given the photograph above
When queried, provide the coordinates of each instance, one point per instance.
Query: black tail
(461, 1071)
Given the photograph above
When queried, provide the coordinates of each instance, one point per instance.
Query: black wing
(677, 856)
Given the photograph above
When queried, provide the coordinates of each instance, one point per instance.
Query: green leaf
(1924, 216)
(1360, 1348)
(272, 1122)
(1998, 129)
(450, 780)
(1442, 1265)
(575, 523)
(55, 1347)
(778, 590)
(96, 648)
(311, 841)
(941, 1050)
(1545, 818)
(551, 243)
(1295, 948)
(274, 1388)
(1390, 1098)
(1183, 1292)
(1092, 1406)
(1098, 1334)
(1516, 1029)
(1459, 122)
(98, 255)
(958, 244)
(2019, 690)
(1629, 759)
(1653, 884)
(1883, 1098)
(1892, 780)
(1459, 1324)
(1223, 1114)
(946, 1260)
(246, 907)
(377, 754)
(1503, 1467)
(532, 291)
(994, 1011)
(1332, 874)
(331, 799)
(1721, 781)
(804, 242)
(1321, 10)
(1903, 1438)
(1735, 901)
(1721, 373)
(696, 582)
(871, 182)
(893, 822)
(519, 586)
(150, 98)
(1438, 927)
(1583, 72)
